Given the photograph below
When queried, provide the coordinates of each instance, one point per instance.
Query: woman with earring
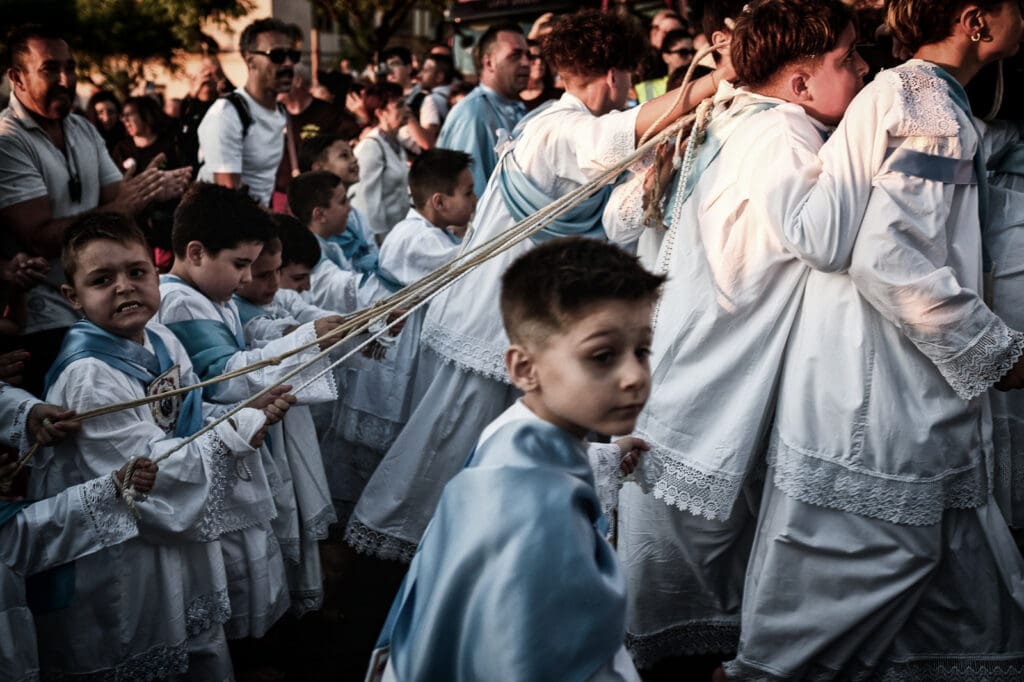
(382, 193)
(541, 86)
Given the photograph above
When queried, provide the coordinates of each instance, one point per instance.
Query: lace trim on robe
(465, 353)
(924, 99)
(366, 540)
(109, 519)
(156, 663)
(206, 611)
(813, 480)
(694, 638)
(948, 669)
(976, 368)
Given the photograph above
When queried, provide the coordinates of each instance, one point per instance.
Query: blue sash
(248, 310)
(515, 543)
(86, 340)
(331, 254)
(49, 590)
(354, 246)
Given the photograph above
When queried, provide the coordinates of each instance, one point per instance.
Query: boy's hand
(50, 424)
(23, 272)
(270, 397)
(12, 365)
(143, 475)
(396, 327)
(325, 325)
(276, 410)
(632, 450)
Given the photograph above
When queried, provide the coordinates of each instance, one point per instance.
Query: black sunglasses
(682, 52)
(279, 54)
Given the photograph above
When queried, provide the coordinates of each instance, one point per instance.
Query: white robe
(15, 405)
(342, 288)
(75, 523)
(168, 587)
(461, 384)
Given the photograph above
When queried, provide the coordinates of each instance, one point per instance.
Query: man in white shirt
(241, 138)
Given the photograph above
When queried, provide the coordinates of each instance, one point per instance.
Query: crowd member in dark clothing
(207, 85)
(541, 87)
(104, 112)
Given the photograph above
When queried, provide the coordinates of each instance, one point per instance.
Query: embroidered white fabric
(606, 461)
(924, 100)
(984, 362)
(464, 353)
(156, 663)
(679, 484)
(367, 541)
(206, 611)
(827, 484)
(109, 518)
(694, 638)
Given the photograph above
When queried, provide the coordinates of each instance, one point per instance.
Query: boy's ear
(317, 215)
(520, 368)
(796, 85)
(437, 201)
(70, 295)
(194, 252)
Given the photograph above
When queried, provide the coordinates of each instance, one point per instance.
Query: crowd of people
(750, 412)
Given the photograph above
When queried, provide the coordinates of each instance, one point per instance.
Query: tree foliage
(119, 37)
(368, 25)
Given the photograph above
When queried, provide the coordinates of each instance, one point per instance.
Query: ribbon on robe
(514, 546)
(354, 245)
(87, 340)
(336, 256)
(248, 311)
(49, 590)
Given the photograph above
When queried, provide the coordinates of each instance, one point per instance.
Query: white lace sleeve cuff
(974, 370)
(109, 518)
(606, 461)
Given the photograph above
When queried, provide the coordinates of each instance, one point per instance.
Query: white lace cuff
(109, 519)
(606, 461)
(975, 369)
(237, 439)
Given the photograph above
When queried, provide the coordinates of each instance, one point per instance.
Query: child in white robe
(744, 234)
(380, 395)
(217, 235)
(268, 313)
(878, 492)
(514, 579)
(164, 593)
(319, 201)
(557, 150)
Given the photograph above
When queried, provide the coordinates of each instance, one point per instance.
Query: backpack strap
(242, 107)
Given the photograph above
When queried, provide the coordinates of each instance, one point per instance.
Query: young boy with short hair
(319, 201)
(218, 233)
(513, 578)
(333, 154)
(165, 591)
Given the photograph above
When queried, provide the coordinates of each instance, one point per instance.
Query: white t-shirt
(32, 167)
(222, 148)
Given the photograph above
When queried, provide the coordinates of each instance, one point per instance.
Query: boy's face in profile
(594, 374)
(834, 82)
(339, 159)
(334, 216)
(460, 204)
(115, 286)
(295, 276)
(265, 279)
(220, 275)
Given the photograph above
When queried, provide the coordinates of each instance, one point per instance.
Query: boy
(333, 154)
(742, 241)
(217, 234)
(166, 590)
(319, 201)
(513, 579)
(380, 395)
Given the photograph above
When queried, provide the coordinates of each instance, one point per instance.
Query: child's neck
(182, 271)
(433, 217)
(325, 231)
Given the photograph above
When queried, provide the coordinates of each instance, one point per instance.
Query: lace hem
(318, 527)
(948, 669)
(465, 354)
(823, 483)
(369, 430)
(925, 103)
(156, 663)
(680, 484)
(220, 465)
(974, 370)
(694, 638)
(109, 519)
(206, 611)
(366, 540)
(305, 601)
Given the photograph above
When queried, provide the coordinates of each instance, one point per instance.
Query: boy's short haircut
(95, 226)
(436, 170)
(218, 218)
(771, 34)
(589, 43)
(716, 12)
(298, 244)
(548, 287)
(315, 149)
(311, 190)
(915, 23)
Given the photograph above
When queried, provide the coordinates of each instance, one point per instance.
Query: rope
(415, 295)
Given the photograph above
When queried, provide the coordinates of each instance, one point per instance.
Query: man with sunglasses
(241, 138)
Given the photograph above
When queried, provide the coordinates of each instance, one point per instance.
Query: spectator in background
(677, 50)
(104, 112)
(472, 126)
(235, 154)
(541, 86)
(398, 61)
(172, 108)
(208, 84)
(652, 74)
(436, 80)
(382, 193)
